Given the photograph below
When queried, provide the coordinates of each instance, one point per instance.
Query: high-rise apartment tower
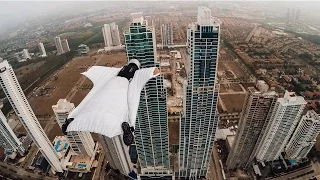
(58, 43)
(151, 133)
(42, 50)
(8, 140)
(304, 136)
(200, 115)
(65, 45)
(284, 119)
(80, 142)
(256, 114)
(117, 153)
(111, 34)
(166, 35)
(19, 103)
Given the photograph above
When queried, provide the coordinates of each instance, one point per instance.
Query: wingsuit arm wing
(101, 74)
(97, 74)
(140, 79)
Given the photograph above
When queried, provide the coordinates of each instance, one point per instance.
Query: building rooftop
(80, 162)
(137, 17)
(61, 144)
(224, 133)
(204, 17)
(290, 98)
(63, 106)
(71, 160)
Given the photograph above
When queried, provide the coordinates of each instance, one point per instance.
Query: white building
(284, 119)
(107, 35)
(83, 49)
(256, 114)
(200, 115)
(19, 103)
(80, 142)
(111, 35)
(304, 136)
(65, 45)
(25, 54)
(115, 34)
(59, 47)
(42, 50)
(117, 153)
(70, 160)
(8, 140)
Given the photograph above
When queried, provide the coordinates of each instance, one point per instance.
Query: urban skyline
(235, 98)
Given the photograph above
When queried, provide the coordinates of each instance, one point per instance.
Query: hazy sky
(14, 13)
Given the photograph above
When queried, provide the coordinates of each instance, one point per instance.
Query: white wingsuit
(112, 101)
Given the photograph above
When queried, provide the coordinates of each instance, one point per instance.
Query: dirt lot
(233, 102)
(246, 85)
(234, 66)
(65, 81)
(173, 132)
(231, 88)
(68, 77)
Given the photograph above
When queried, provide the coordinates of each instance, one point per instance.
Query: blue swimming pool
(57, 148)
(292, 161)
(82, 165)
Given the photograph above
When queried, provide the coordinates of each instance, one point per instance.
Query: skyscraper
(111, 34)
(19, 103)
(200, 116)
(166, 35)
(254, 120)
(8, 140)
(151, 133)
(106, 31)
(304, 136)
(80, 142)
(65, 45)
(59, 47)
(25, 54)
(115, 34)
(42, 50)
(284, 119)
(117, 153)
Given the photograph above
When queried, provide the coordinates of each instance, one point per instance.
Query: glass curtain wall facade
(151, 133)
(200, 115)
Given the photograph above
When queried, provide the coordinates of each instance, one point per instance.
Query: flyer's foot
(128, 138)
